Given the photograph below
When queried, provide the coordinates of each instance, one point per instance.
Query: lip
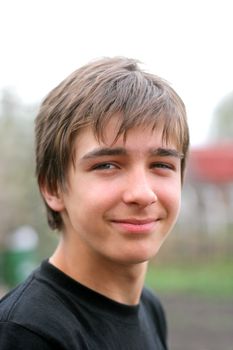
(134, 225)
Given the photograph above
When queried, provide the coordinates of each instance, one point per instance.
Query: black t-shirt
(50, 310)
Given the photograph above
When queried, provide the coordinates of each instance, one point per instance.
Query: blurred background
(189, 44)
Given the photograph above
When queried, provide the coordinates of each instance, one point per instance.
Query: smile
(136, 226)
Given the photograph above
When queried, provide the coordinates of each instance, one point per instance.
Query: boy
(111, 145)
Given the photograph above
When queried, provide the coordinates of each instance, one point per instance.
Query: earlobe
(53, 200)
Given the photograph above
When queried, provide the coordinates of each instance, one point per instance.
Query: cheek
(171, 199)
(177, 206)
(97, 198)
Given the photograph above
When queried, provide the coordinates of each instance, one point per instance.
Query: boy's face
(123, 198)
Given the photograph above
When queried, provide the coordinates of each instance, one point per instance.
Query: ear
(54, 200)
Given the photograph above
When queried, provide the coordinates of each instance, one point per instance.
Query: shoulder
(16, 297)
(35, 310)
(30, 298)
(155, 311)
(15, 336)
(151, 300)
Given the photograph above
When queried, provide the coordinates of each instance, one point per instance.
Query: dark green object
(19, 256)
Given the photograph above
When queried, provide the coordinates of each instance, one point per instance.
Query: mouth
(143, 226)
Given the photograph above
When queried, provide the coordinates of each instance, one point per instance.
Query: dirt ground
(199, 323)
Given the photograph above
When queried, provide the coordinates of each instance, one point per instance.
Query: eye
(162, 165)
(104, 166)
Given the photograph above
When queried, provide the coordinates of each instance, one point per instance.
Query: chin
(139, 257)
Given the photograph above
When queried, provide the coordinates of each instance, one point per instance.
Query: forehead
(137, 139)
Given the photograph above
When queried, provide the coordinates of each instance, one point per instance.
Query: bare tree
(222, 125)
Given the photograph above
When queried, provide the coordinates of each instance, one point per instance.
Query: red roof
(211, 163)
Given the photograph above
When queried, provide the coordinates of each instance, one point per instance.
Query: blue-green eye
(162, 166)
(104, 166)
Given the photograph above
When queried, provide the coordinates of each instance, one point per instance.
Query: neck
(120, 282)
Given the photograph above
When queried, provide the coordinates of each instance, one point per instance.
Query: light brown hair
(90, 96)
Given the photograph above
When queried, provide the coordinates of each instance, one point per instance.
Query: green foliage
(209, 278)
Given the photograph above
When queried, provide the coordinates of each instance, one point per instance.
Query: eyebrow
(121, 151)
(105, 151)
(167, 152)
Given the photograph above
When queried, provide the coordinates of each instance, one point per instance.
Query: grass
(210, 279)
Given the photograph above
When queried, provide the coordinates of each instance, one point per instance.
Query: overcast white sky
(189, 43)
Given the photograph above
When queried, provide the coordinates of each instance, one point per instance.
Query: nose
(139, 190)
